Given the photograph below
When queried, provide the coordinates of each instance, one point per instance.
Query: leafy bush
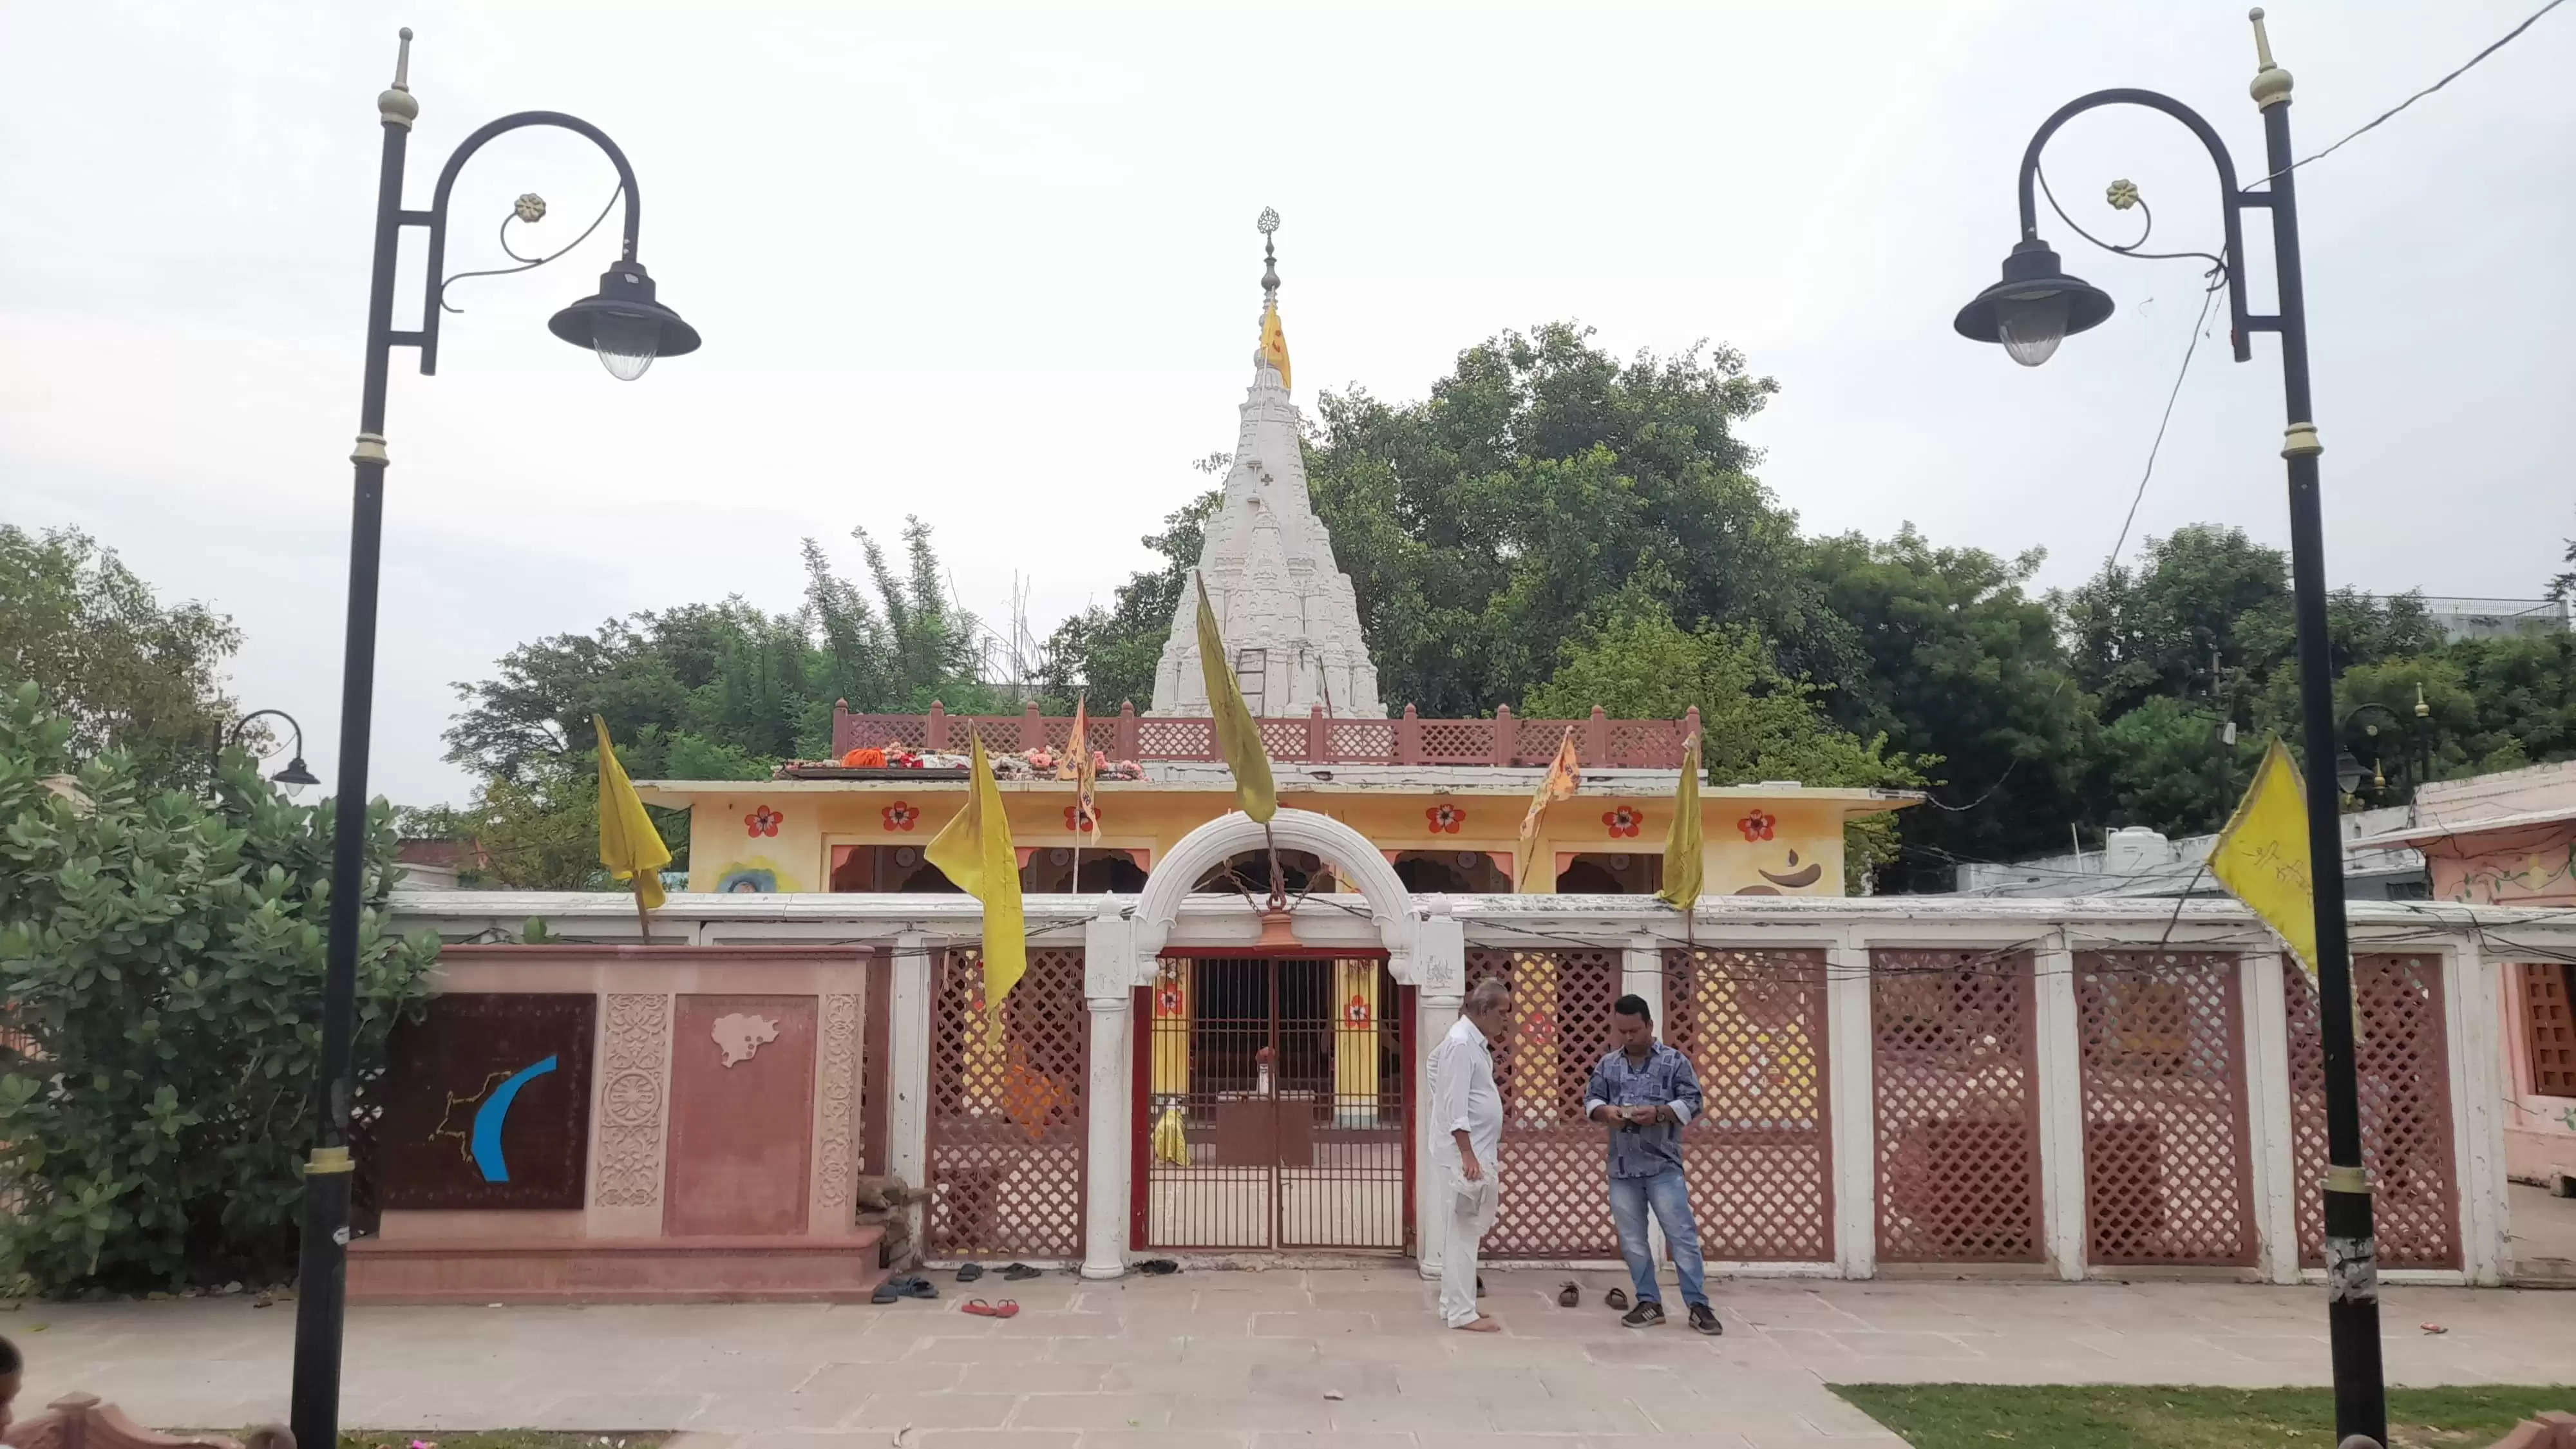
(161, 965)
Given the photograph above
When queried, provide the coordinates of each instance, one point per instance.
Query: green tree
(127, 671)
(162, 962)
(1756, 723)
(1967, 668)
(2170, 768)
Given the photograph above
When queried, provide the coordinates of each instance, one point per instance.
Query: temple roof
(1285, 607)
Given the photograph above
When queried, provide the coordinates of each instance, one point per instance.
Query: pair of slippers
(1569, 1296)
(902, 1286)
(981, 1309)
(1013, 1272)
(1158, 1267)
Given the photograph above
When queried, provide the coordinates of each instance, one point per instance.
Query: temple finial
(2271, 85)
(394, 104)
(1269, 225)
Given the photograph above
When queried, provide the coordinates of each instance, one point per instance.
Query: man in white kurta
(1467, 1115)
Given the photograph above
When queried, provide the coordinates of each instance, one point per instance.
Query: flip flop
(1567, 1295)
(1021, 1272)
(912, 1285)
(1615, 1300)
(969, 1272)
(981, 1309)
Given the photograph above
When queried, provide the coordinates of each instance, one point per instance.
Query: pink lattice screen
(1175, 739)
(1760, 1157)
(1284, 739)
(1006, 1133)
(1536, 739)
(1955, 1048)
(1452, 741)
(2168, 1171)
(1361, 741)
(2403, 1060)
(1555, 1180)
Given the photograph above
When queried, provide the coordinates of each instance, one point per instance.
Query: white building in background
(2136, 861)
(2460, 618)
(1285, 607)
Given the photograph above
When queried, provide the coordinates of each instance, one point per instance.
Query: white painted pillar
(2469, 1021)
(1440, 975)
(1641, 973)
(1108, 1171)
(908, 1071)
(1855, 1121)
(2267, 1114)
(2061, 1109)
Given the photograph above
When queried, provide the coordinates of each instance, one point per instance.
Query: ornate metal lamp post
(628, 329)
(295, 775)
(2033, 308)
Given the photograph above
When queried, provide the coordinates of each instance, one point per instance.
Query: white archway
(1348, 852)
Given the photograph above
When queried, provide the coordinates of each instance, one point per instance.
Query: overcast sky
(997, 268)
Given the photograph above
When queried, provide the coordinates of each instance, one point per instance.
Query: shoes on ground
(1567, 1295)
(1480, 1285)
(1647, 1314)
(1615, 1299)
(969, 1272)
(1703, 1319)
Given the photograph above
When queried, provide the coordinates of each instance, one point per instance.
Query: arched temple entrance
(1273, 1084)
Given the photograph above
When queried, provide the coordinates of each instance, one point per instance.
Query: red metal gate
(1760, 1158)
(1955, 1048)
(2168, 1171)
(2402, 1057)
(1555, 1190)
(1007, 1140)
(1271, 1106)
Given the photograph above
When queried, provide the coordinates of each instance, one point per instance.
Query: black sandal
(1158, 1266)
(1567, 1295)
(969, 1272)
(1616, 1300)
(1021, 1272)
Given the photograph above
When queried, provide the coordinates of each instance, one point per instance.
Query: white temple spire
(1286, 610)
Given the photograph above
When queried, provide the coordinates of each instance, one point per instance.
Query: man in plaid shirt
(1646, 1093)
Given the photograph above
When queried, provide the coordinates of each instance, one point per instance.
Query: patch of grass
(2102, 1416)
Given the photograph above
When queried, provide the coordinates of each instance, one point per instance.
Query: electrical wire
(2376, 121)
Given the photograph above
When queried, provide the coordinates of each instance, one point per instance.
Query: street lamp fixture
(294, 775)
(628, 327)
(2029, 312)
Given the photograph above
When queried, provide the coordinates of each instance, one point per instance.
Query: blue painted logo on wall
(485, 1146)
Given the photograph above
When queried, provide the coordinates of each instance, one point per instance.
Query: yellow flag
(2262, 856)
(1681, 842)
(974, 851)
(628, 844)
(1238, 738)
(1274, 342)
(1564, 774)
(1077, 767)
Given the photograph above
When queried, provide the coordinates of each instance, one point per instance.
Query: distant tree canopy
(1552, 528)
(128, 672)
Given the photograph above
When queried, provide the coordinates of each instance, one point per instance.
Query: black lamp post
(293, 774)
(2414, 762)
(2034, 307)
(627, 328)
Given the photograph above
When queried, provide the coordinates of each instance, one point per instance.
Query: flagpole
(643, 917)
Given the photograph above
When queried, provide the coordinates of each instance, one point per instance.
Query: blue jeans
(1669, 1194)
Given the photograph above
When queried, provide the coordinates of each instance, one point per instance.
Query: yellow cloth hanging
(1682, 841)
(1274, 343)
(628, 844)
(1238, 738)
(1171, 1143)
(974, 851)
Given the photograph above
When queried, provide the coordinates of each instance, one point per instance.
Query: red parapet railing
(1505, 740)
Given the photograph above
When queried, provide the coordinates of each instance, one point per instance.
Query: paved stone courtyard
(1285, 1359)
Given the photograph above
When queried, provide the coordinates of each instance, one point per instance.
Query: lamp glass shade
(626, 345)
(2347, 772)
(295, 774)
(2031, 325)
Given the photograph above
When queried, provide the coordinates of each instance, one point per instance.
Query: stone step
(617, 1270)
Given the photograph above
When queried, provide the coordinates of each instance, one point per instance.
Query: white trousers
(1471, 1213)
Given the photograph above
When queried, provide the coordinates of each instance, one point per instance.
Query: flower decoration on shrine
(763, 821)
(1081, 821)
(1357, 1012)
(1445, 819)
(901, 815)
(1167, 1000)
(1624, 821)
(1757, 826)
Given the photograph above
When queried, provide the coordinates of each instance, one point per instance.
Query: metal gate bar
(1273, 1106)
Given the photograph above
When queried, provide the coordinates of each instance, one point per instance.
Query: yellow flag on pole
(2262, 856)
(1274, 343)
(1077, 767)
(1564, 775)
(1681, 841)
(628, 844)
(974, 851)
(1238, 737)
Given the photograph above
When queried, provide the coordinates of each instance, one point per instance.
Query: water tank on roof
(2134, 849)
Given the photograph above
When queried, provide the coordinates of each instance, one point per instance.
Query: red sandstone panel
(486, 1100)
(742, 1115)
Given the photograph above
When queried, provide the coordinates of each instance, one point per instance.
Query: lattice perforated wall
(2402, 1059)
(1760, 1157)
(1536, 739)
(1285, 739)
(1458, 739)
(1006, 1133)
(1555, 1185)
(2549, 1024)
(1175, 739)
(1637, 742)
(2167, 1167)
(1953, 1035)
(1362, 741)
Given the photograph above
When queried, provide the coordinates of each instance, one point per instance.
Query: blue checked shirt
(1665, 1080)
